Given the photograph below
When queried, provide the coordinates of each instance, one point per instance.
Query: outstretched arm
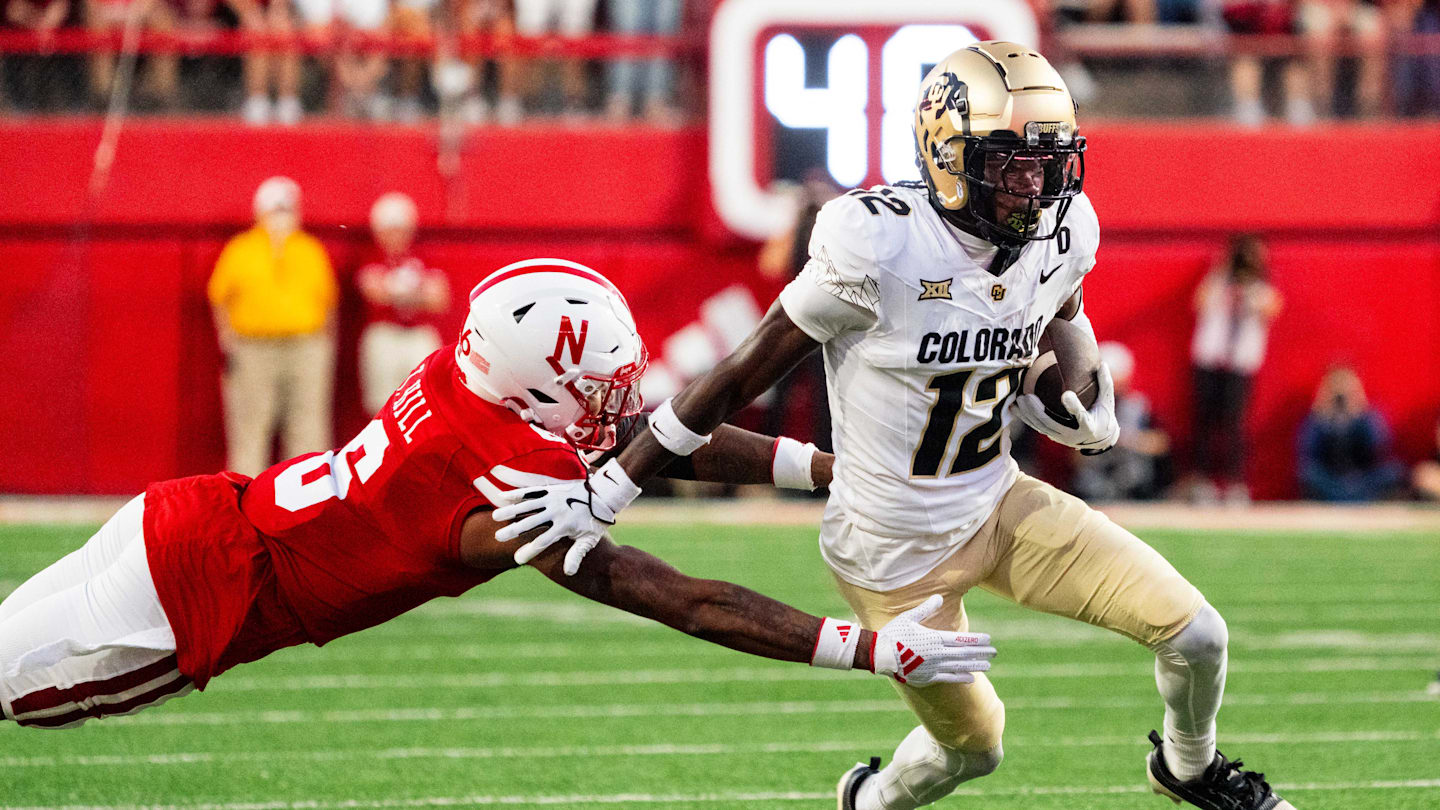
(741, 619)
(738, 456)
(775, 347)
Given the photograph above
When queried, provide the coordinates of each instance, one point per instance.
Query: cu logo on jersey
(567, 339)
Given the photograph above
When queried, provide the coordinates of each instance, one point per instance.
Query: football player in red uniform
(201, 574)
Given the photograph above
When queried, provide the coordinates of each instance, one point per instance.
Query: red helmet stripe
(544, 268)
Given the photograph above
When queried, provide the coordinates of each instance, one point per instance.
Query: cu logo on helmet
(949, 94)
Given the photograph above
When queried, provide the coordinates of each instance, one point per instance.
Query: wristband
(835, 645)
(672, 433)
(612, 485)
(790, 467)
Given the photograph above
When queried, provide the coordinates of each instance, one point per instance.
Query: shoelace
(1253, 782)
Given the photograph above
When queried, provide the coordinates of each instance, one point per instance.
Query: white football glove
(1091, 432)
(916, 655)
(579, 510)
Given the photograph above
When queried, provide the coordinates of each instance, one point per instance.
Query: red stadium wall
(110, 362)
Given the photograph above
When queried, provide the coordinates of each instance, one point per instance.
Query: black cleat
(848, 788)
(1223, 786)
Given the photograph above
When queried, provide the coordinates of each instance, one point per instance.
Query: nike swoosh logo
(1044, 276)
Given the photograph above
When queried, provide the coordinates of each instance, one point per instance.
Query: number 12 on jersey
(981, 444)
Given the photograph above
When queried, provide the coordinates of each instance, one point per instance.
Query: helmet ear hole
(541, 397)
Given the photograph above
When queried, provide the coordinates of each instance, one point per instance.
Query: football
(1069, 361)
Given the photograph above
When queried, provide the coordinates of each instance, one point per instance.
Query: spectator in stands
(1234, 305)
(1323, 24)
(568, 18)
(1344, 447)
(356, 70)
(43, 17)
(412, 22)
(274, 298)
(652, 81)
(161, 82)
(402, 297)
(1417, 77)
(1247, 73)
(268, 67)
(782, 258)
(495, 18)
(1138, 467)
(1426, 476)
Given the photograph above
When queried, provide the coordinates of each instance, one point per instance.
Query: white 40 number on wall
(865, 141)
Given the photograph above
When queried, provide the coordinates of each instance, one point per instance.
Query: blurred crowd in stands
(1349, 58)
(399, 59)
(379, 60)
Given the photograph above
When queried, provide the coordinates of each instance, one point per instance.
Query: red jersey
(328, 544)
(402, 278)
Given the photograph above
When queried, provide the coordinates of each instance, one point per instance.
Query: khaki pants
(268, 379)
(388, 353)
(1049, 551)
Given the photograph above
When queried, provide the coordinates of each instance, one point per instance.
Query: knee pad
(983, 763)
(1202, 641)
(924, 771)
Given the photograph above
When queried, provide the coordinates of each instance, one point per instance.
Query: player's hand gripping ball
(1067, 393)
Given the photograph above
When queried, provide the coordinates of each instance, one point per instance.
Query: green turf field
(522, 695)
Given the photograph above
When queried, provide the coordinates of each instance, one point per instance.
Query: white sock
(1190, 673)
(923, 771)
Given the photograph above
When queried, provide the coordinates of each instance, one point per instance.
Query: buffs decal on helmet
(996, 142)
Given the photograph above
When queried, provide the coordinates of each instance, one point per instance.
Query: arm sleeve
(819, 313)
(630, 427)
(838, 290)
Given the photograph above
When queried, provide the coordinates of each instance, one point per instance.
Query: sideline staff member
(274, 295)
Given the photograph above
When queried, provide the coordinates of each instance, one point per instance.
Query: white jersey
(920, 387)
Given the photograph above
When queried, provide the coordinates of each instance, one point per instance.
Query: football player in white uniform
(929, 299)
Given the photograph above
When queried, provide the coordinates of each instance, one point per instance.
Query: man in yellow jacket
(274, 296)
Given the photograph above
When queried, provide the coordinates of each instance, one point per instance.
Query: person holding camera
(1344, 449)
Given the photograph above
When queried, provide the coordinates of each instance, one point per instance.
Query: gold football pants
(1049, 551)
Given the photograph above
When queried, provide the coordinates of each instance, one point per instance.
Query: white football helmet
(555, 342)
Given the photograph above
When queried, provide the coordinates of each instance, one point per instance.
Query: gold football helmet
(996, 142)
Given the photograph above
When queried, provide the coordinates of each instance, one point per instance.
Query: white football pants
(87, 637)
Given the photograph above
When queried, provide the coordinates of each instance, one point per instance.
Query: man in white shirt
(929, 300)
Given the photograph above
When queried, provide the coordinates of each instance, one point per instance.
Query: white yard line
(1265, 516)
(246, 716)
(669, 749)
(1303, 612)
(693, 798)
(774, 674)
(411, 650)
